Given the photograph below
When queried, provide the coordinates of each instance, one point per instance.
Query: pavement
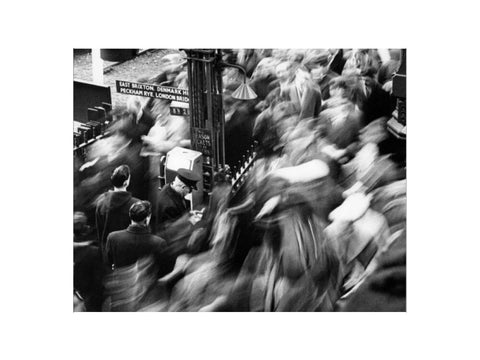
(145, 64)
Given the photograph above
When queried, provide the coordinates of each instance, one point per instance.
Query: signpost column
(206, 105)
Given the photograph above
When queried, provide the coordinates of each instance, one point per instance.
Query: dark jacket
(377, 104)
(263, 85)
(338, 62)
(112, 214)
(126, 247)
(239, 134)
(88, 274)
(171, 207)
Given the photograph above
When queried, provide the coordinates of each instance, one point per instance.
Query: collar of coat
(138, 229)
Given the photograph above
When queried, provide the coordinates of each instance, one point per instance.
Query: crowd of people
(319, 224)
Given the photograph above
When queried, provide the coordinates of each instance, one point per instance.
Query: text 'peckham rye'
(161, 92)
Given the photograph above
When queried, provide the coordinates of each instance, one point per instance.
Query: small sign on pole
(202, 141)
(179, 111)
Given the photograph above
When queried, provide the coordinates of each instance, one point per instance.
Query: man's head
(317, 63)
(285, 71)
(185, 181)
(140, 212)
(80, 226)
(121, 177)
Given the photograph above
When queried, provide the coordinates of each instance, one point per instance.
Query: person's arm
(309, 171)
(108, 252)
(176, 233)
(185, 143)
(99, 224)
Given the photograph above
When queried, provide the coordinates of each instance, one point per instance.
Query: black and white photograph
(232, 159)
(240, 180)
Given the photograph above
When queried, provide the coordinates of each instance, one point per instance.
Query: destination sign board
(152, 91)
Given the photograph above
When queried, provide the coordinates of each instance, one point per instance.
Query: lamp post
(207, 117)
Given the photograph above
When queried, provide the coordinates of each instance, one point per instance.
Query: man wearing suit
(126, 247)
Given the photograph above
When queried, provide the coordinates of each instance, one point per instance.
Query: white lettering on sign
(153, 91)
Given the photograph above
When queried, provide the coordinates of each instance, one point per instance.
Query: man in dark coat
(137, 259)
(171, 200)
(113, 206)
(126, 247)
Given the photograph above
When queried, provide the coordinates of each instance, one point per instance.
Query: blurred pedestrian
(87, 266)
(263, 78)
(317, 62)
(342, 114)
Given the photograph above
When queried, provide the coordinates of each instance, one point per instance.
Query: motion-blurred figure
(342, 115)
(369, 170)
(197, 277)
(317, 62)
(239, 122)
(248, 59)
(293, 268)
(385, 288)
(106, 154)
(263, 78)
(359, 234)
(87, 266)
(360, 61)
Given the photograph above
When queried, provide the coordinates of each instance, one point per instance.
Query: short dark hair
(120, 175)
(140, 210)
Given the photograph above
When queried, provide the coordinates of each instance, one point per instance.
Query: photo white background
(37, 321)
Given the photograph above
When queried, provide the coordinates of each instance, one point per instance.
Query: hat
(318, 57)
(188, 177)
